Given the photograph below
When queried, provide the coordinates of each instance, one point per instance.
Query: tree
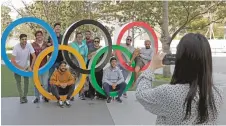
(169, 22)
(6, 19)
(65, 12)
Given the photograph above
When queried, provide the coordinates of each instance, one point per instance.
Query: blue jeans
(120, 88)
(44, 81)
(51, 70)
(125, 72)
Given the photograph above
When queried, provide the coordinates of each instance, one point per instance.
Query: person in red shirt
(39, 45)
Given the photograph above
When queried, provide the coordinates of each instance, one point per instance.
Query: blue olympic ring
(49, 30)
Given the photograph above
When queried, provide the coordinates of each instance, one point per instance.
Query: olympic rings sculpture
(82, 65)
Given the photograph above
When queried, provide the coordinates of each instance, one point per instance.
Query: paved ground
(95, 112)
(88, 112)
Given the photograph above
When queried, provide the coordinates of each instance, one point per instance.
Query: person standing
(57, 29)
(99, 74)
(191, 97)
(131, 49)
(39, 45)
(89, 41)
(20, 58)
(80, 45)
(90, 45)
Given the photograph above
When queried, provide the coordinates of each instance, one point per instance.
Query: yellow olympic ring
(37, 64)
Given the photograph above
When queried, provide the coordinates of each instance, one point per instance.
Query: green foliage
(64, 12)
(160, 77)
(183, 15)
(6, 19)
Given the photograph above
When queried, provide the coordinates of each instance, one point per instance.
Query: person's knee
(53, 87)
(72, 86)
(105, 84)
(123, 84)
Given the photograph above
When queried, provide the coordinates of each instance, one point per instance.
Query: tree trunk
(165, 37)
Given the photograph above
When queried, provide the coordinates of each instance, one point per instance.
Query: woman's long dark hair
(193, 66)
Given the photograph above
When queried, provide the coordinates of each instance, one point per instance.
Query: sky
(16, 3)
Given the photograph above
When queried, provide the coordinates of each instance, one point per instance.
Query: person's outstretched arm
(153, 99)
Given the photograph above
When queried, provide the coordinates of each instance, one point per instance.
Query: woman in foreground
(191, 97)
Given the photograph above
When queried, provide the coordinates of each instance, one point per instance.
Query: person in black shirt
(57, 29)
(99, 75)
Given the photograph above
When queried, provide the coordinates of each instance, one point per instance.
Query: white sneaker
(67, 102)
(61, 104)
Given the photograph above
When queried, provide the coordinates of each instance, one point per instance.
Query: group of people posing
(60, 80)
(191, 97)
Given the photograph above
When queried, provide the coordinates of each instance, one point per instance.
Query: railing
(214, 50)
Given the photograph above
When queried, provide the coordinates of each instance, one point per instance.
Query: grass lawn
(9, 55)
(9, 88)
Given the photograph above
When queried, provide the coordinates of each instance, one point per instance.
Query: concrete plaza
(94, 112)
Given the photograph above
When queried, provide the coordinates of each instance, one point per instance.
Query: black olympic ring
(66, 38)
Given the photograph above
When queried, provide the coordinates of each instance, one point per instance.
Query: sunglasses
(97, 41)
(129, 39)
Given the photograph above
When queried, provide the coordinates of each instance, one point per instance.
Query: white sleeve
(31, 49)
(14, 51)
(152, 99)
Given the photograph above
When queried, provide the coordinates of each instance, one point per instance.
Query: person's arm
(86, 53)
(121, 78)
(153, 99)
(49, 41)
(105, 77)
(33, 60)
(90, 54)
(13, 59)
(134, 55)
(32, 51)
(71, 79)
(53, 79)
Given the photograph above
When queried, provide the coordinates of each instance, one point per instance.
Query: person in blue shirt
(80, 45)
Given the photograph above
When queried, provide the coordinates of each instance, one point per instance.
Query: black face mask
(148, 47)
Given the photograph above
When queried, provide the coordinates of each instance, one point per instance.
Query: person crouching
(113, 80)
(62, 83)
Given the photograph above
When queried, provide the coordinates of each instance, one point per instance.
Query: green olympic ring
(93, 62)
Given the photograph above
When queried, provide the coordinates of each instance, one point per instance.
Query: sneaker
(125, 95)
(67, 103)
(72, 99)
(22, 101)
(118, 100)
(61, 104)
(109, 99)
(36, 100)
(45, 99)
(82, 97)
(25, 99)
(92, 97)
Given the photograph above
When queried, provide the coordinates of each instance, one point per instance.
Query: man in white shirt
(20, 58)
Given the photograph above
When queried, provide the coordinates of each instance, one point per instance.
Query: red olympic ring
(151, 33)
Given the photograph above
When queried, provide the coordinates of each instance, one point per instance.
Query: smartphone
(169, 59)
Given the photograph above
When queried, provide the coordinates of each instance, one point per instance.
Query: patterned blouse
(166, 101)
